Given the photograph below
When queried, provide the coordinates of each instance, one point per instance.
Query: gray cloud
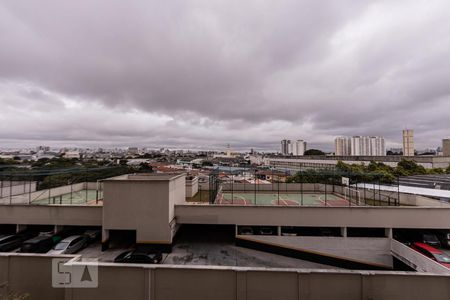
(213, 72)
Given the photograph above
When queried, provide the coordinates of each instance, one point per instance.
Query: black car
(140, 256)
(13, 241)
(444, 237)
(430, 239)
(39, 244)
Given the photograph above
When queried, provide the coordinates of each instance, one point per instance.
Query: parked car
(38, 244)
(444, 238)
(288, 231)
(266, 231)
(140, 256)
(93, 234)
(430, 239)
(12, 241)
(246, 230)
(70, 245)
(433, 253)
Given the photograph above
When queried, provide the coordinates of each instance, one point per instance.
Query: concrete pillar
(279, 230)
(344, 231)
(388, 232)
(105, 239)
(58, 228)
(20, 227)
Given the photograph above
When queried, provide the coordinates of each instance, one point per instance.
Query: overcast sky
(191, 74)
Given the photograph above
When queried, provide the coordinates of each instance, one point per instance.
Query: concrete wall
(177, 194)
(376, 217)
(28, 274)
(191, 187)
(291, 187)
(144, 203)
(365, 250)
(27, 198)
(51, 215)
(149, 282)
(12, 188)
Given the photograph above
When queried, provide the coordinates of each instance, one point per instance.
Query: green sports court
(283, 199)
(78, 197)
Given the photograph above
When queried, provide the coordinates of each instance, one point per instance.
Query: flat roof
(146, 177)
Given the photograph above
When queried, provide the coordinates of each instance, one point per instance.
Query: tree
(408, 167)
(448, 169)
(314, 152)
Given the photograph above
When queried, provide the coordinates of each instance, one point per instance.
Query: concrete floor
(227, 254)
(205, 253)
(223, 253)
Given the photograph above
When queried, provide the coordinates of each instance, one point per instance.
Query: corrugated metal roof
(408, 190)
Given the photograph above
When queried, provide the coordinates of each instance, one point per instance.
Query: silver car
(70, 245)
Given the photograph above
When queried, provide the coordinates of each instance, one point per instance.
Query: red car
(433, 253)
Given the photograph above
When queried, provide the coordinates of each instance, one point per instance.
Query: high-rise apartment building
(360, 146)
(299, 148)
(342, 146)
(446, 147)
(408, 142)
(293, 148)
(286, 147)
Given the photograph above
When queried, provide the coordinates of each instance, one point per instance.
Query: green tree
(408, 167)
(314, 152)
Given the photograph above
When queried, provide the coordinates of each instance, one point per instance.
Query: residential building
(286, 148)
(342, 146)
(299, 148)
(367, 146)
(446, 147)
(408, 142)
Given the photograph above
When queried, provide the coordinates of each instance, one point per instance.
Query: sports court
(78, 197)
(284, 199)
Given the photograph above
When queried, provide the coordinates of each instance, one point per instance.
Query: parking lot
(199, 245)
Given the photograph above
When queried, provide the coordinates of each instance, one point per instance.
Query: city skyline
(227, 72)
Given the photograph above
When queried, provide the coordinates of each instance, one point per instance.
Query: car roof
(427, 247)
(4, 237)
(70, 238)
(38, 239)
(145, 251)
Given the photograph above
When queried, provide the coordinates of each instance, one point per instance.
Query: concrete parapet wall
(416, 260)
(32, 274)
(11, 188)
(366, 250)
(191, 187)
(354, 216)
(51, 215)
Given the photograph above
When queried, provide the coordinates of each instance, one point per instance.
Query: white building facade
(360, 146)
(299, 148)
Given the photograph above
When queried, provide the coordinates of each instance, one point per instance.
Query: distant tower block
(446, 147)
(408, 142)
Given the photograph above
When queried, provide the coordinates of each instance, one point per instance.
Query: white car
(70, 245)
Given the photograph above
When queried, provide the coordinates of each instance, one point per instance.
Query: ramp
(416, 260)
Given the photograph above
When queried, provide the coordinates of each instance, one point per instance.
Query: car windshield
(442, 258)
(430, 237)
(61, 246)
(4, 238)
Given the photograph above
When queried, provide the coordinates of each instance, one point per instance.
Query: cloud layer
(201, 74)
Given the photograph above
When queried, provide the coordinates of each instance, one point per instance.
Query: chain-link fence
(256, 186)
(56, 186)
